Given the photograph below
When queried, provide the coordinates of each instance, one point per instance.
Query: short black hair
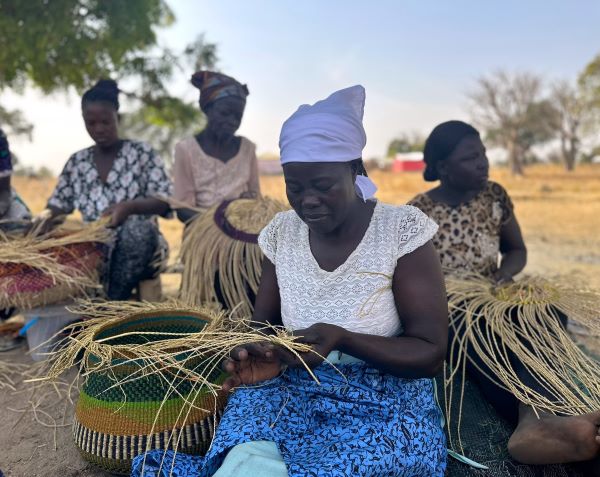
(441, 142)
(105, 90)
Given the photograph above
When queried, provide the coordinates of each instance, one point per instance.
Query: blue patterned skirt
(365, 423)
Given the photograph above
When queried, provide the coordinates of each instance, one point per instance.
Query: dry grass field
(559, 213)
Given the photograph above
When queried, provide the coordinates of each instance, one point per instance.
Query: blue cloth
(255, 458)
(360, 422)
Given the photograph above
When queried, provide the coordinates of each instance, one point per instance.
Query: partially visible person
(14, 215)
(479, 232)
(216, 165)
(121, 179)
(13, 211)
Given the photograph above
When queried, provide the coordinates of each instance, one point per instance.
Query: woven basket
(221, 257)
(24, 286)
(114, 424)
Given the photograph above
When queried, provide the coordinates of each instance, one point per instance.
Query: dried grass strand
(206, 251)
(181, 356)
(35, 253)
(481, 317)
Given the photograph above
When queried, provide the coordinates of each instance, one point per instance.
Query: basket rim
(132, 316)
(136, 315)
(72, 260)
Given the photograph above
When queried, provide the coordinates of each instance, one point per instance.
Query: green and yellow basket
(123, 410)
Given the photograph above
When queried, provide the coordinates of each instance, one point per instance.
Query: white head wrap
(330, 130)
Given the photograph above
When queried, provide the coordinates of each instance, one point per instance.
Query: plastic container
(41, 324)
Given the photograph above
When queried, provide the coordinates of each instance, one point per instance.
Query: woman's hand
(501, 277)
(118, 213)
(249, 194)
(323, 338)
(45, 221)
(251, 364)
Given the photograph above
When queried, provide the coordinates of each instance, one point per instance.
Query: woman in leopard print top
(469, 234)
(478, 232)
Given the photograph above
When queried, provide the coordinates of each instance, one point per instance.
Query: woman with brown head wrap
(216, 165)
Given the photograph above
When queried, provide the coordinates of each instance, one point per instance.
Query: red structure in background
(408, 162)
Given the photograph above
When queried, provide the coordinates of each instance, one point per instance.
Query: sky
(416, 59)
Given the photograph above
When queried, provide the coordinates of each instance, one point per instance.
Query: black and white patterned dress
(137, 172)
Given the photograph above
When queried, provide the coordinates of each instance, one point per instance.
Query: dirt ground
(558, 212)
(29, 448)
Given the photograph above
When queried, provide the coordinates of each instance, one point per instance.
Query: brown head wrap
(214, 86)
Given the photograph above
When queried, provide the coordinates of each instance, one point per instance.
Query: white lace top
(358, 294)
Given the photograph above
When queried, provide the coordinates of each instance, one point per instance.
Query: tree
(162, 120)
(59, 44)
(510, 109)
(589, 91)
(162, 123)
(570, 112)
(589, 84)
(413, 142)
(14, 124)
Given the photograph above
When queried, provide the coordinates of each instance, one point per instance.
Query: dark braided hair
(441, 142)
(105, 90)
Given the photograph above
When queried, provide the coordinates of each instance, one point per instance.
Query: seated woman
(119, 178)
(13, 212)
(360, 281)
(216, 165)
(14, 215)
(476, 226)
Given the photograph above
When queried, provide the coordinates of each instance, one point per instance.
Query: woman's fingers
(238, 359)
(286, 356)
(307, 336)
(262, 350)
(231, 382)
(229, 366)
(239, 353)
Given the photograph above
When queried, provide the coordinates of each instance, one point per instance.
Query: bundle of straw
(523, 318)
(151, 376)
(40, 270)
(222, 245)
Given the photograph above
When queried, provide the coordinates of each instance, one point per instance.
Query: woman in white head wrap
(359, 281)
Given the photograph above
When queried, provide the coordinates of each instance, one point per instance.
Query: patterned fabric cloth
(135, 257)
(204, 181)
(214, 86)
(359, 422)
(358, 294)
(137, 172)
(468, 237)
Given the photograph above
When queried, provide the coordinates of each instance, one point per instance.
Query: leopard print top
(468, 237)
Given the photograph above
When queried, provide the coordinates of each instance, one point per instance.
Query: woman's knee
(137, 235)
